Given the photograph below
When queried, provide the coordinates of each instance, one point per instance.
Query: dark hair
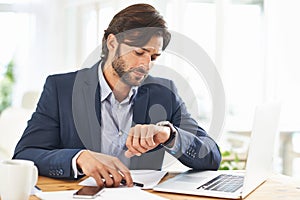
(135, 26)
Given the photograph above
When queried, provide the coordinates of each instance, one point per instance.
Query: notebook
(235, 184)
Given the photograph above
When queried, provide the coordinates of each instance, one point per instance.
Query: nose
(145, 60)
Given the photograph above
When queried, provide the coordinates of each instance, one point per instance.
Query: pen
(36, 187)
(123, 182)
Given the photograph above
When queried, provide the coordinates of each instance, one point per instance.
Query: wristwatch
(173, 131)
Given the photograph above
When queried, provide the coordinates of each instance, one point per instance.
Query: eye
(139, 52)
(153, 58)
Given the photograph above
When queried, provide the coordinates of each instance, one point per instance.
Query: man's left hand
(142, 138)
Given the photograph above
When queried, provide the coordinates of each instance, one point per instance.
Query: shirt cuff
(74, 165)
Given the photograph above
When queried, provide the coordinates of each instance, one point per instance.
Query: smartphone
(88, 192)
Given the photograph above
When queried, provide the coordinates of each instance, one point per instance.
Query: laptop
(229, 183)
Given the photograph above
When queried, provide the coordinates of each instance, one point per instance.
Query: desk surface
(276, 187)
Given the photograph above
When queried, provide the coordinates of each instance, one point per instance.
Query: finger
(129, 144)
(129, 138)
(150, 136)
(130, 141)
(98, 179)
(108, 180)
(129, 154)
(136, 141)
(128, 178)
(132, 149)
(136, 138)
(125, 172)
(143, 138)
(116, 176)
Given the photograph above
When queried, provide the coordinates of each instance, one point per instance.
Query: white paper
(149, 178)
(128, 193)
(106, 194)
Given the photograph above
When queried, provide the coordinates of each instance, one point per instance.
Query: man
(113, 117)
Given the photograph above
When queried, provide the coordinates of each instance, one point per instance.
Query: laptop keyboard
(224, 183)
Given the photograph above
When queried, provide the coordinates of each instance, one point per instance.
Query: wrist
(77, 171)
(172, 132)
(80, 159)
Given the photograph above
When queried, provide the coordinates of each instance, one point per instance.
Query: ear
(112, 43)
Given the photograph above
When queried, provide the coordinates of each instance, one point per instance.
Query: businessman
(112, 117)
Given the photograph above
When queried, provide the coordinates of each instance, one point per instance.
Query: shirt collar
(106, 90)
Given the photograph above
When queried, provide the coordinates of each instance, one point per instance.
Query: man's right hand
(101, 166)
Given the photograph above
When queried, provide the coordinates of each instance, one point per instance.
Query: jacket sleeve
(193, 147)
(41, 141)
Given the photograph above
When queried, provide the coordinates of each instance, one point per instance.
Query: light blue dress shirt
(116, 120)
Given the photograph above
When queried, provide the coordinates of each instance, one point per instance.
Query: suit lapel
(93, 89)
(86, 107)
(92, 117)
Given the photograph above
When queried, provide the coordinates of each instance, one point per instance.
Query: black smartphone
(88, 192)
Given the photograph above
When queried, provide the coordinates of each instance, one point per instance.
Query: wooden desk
(277, 187)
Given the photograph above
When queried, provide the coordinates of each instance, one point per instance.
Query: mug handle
(34, 175)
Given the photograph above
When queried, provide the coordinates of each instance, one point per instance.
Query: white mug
(17, 177)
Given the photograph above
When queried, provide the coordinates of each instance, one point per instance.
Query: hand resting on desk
(101, 166)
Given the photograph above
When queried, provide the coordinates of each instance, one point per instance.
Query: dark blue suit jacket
(68, 119)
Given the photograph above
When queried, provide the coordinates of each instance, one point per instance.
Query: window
(16, 36)
(243, 66)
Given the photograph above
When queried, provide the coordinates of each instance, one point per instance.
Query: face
(132, 64)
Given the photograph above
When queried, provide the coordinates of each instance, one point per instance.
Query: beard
(129, 77)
